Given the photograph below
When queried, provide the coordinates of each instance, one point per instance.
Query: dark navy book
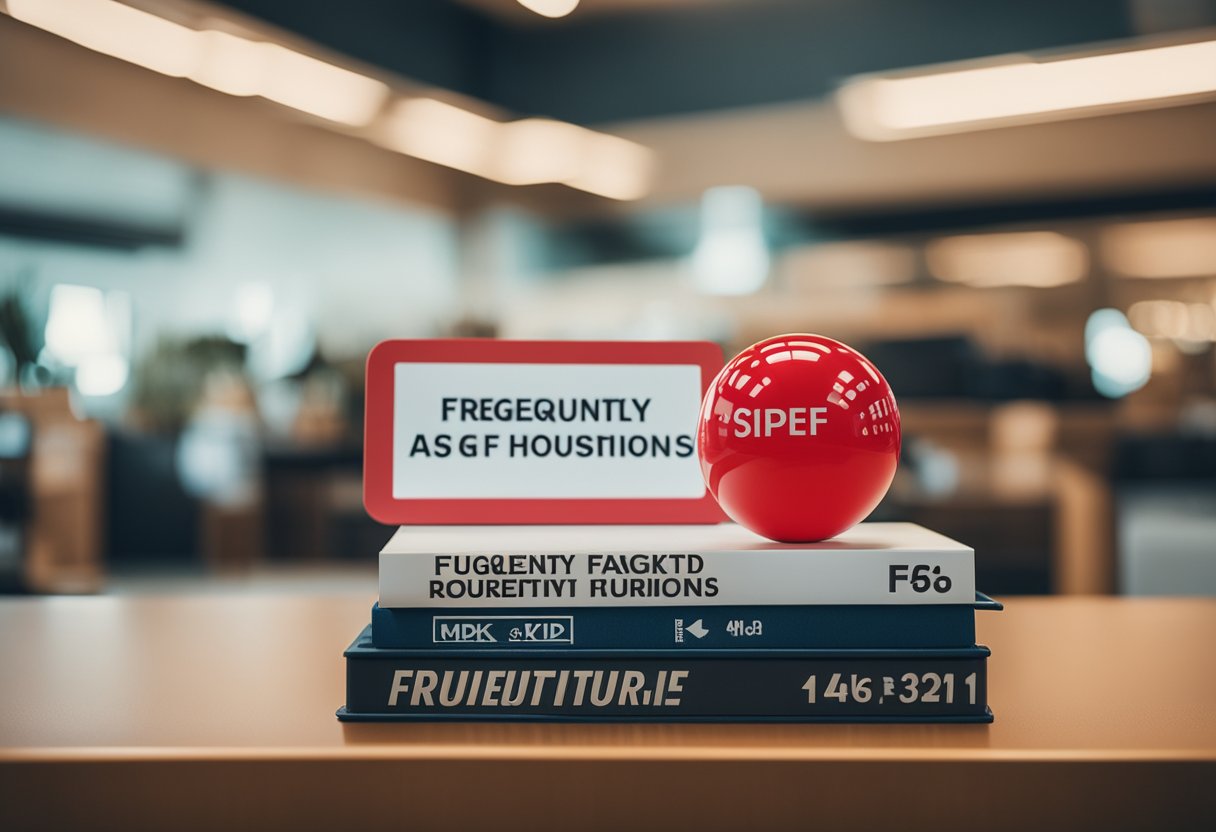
(944, 685)
(676, 628)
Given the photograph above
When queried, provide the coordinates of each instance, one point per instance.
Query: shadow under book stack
(670, 623)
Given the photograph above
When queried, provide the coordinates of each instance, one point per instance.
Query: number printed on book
(920, 577)
(737, 627)
(928, 688)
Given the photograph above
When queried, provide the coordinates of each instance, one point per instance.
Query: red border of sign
(378, 433)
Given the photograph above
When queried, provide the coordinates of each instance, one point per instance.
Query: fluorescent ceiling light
(1039, 259)
(222, 61)
(847, 265)
(526, 152)
(536, 150)
(229, 64)
(115, 30)
(302, 82)
(550, 8)
(442, 133)
(1195, 322)
(1020, 89)
(615, 168)
(1161, 248)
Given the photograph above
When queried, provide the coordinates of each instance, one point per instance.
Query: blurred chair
(15, 498)
(61, 548)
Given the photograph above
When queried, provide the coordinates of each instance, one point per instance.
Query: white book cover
(663, 566)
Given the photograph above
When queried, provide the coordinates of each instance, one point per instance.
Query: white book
(669, 566)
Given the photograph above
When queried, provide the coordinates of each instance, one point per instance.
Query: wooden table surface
(218, 712)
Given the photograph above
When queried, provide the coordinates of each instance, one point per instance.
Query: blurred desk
(215, 712)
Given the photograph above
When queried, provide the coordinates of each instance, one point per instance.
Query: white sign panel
(545, 431)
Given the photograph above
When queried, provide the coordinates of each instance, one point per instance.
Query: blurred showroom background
(209, 212)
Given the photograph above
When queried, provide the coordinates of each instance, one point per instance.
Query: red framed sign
(471, 431)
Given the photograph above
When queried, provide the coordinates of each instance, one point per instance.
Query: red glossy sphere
(799, 438)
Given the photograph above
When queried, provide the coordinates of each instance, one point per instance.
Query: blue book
(667, 686)
(679, 628)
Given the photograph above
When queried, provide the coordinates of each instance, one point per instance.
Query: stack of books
(671, 623)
